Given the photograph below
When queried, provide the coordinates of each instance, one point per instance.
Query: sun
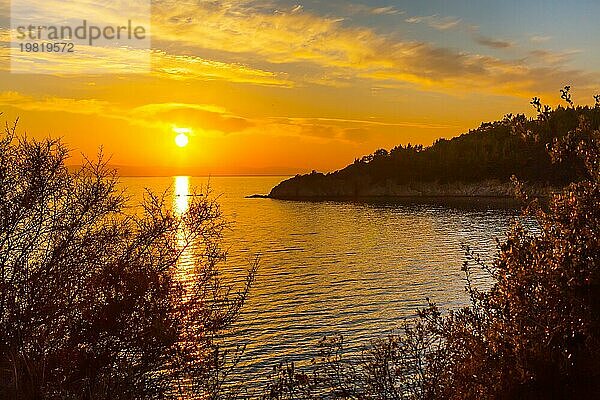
(182, 139)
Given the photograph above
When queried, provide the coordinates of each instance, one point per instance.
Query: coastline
(325, 189)
(458, 202)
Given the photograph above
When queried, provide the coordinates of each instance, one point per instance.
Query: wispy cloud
(96, 60)
(436, 22)
(374, 122)
(279, 48)
(389, 10)
(54, 104)
(206, 117)
(288, 40)
(340, 53)
(210, 117)
(492, 43)
(190, 67)
(539, 38)
(354, 9)
(552, 57)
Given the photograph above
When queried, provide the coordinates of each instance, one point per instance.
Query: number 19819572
(47, 47)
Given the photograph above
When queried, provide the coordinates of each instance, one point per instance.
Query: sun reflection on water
(181, 195)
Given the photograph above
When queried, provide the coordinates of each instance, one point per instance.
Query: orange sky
(281, 87)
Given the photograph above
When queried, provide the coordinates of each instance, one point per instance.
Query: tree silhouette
(90, 307)
(495, 151)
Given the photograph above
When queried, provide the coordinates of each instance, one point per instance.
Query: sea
(356, 269)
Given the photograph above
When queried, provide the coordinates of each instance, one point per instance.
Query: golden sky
(278, 87)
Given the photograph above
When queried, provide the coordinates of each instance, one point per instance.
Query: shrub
(90, 307)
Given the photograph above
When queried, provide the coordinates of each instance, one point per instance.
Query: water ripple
(340, 268)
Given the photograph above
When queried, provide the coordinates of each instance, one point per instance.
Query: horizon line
(207, 176)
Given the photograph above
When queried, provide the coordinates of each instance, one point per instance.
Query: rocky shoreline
(327, 187)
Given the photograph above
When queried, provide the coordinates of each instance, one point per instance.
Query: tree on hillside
(90, 306)
(534, 335)
(495, 151)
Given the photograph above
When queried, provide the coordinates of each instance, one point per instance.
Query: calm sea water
(357, 269)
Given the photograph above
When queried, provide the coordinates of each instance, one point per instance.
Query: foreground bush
(534, 335)
(89, 305)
